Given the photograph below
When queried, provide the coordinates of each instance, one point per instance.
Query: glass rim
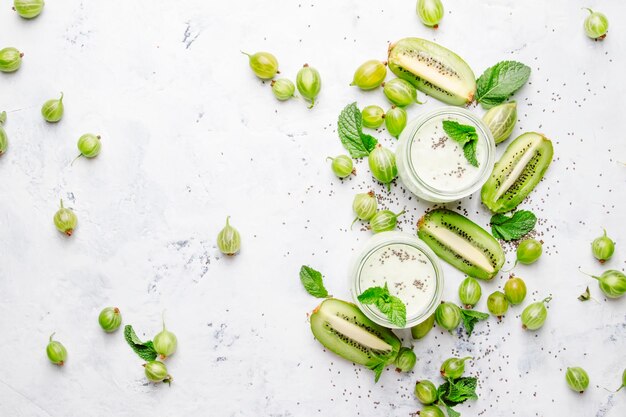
(383, 239)
(485, 134)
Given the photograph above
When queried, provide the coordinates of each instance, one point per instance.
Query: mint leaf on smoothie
(350, 129)
(312, 282)
(391, 306)
(465, 136)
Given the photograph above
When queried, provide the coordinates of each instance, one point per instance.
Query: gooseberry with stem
(229, 239)
(602, 248)
(497, 304)
(430, 411)
(405, 361)
(10, 59)
(364, 206)
(89, 146)
(382, 163)
(535, 314)
(611, 282)
(52, 110)
(283, 89)
(515, 290)
(373, 116)
(309, 83)
(596, 25)
(448, 316)
(110, 319)
(165, 342)
(400, 92)
(369, 75)
(395, 120)
(453, 368)
(28, 9)
(470, 292)
(56, 352)
(156, 371)
(263, 64)
(426, 392)
(384, 221)
(528, 251)
(430, 12)
(342, 166)
(65, 220)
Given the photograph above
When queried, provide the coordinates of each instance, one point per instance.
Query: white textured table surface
(190, 135)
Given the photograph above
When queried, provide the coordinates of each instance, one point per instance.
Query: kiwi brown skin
(466, 232)
(345, 347)
(533, 145)
(455, 84)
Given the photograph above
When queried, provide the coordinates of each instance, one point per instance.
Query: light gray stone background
(190, 135)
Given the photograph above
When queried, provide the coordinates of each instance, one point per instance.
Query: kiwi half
(461, 242)
(343, 329)
(519, 170)
(433, 69)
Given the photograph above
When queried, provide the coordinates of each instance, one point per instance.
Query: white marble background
(190, 135)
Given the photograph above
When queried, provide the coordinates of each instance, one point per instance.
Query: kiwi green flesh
(343, 329)
(421, 330)
(462, 243)
(433, 69)
(518, 172)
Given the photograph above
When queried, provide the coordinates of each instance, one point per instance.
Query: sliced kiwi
(343, 329)
(461, 242)
(433, 69)
(519, 170)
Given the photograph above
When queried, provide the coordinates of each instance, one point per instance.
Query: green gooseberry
(535, 314)
(453, 368)
(528, 251)
(497, 304)
(515, 290)
(426, 392)
(603, 248)
(52, 110)
(28, 9)
(400, 92)
(470, 292)
(110, 319)
(65, 220)
(623, 381)
(395, 120)
(596, 25)
(228, 239)
(156, 371)
(448, 316)
(10, 59)
(501, 120)
(384, 221)
(611, 282)
(430, 12)
(283, 89)
(165, 343)
(373, 116)
(382, 163)
(89, 146)
(405, 361)
(369, 75)
(365, 206)
(577, 379)
(4, 139)
(422, 329)
(430, 411)
(342, 166)
(309, 83)
(56, 352)
(263, 64)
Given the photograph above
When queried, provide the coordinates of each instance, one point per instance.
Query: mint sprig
(312, 282)
(470, 318)
(465, 136)
(513, 227)
(457, 391)
(145, 350)
(350, 129)
(499, 82)
(390, 305)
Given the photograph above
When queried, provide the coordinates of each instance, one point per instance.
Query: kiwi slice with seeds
(433, 69)
(343, 329)
(462, 243)
(516, 174)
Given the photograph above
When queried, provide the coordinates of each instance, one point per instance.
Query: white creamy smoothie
(408, 272)
(439, 161)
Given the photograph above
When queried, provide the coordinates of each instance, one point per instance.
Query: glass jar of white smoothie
(410, 269)
(433, 166)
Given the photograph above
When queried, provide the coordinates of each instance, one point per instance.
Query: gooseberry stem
(51, 336)
(401, 213)
(61, 200)
(547, 299)
(61, 99)
(354, 221)
(79, 155)
(588, 9)
(589, 275)
(245, 53)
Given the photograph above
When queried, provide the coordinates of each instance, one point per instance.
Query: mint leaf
(350, 129)
(378, 369)
(389, 305)
(451, 412)
(312, 282)
(470, 318)
(455, 392)
(512, 227)
(145, 350)
(499, 82)
(465, 136)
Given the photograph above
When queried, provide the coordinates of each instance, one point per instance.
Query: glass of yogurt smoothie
(409, 268)
(433, 166)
